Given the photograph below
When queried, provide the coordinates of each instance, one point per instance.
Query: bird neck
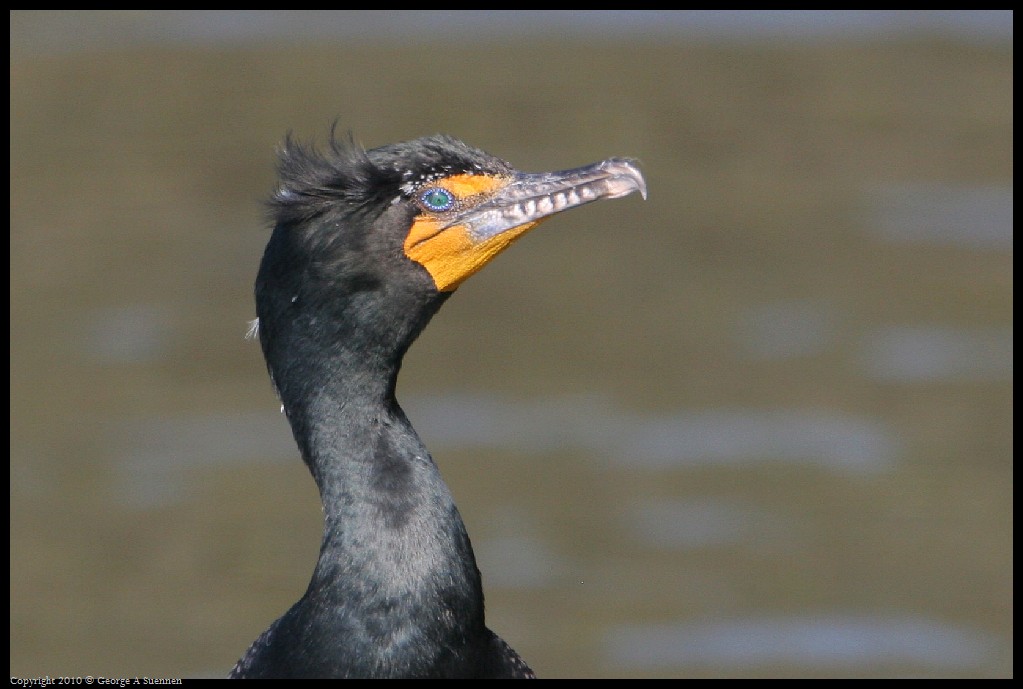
(390, 522)
(394, 546)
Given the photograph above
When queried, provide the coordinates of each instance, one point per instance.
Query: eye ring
(437, 199)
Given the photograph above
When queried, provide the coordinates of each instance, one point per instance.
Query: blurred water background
(760, 425)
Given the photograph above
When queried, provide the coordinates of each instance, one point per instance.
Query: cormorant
(366, 246)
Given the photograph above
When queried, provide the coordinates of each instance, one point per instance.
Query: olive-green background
(137, 178)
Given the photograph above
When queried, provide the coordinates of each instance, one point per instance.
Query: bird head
(436, 202)
(466, 217)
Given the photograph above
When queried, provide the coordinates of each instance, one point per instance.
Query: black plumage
(350, 277)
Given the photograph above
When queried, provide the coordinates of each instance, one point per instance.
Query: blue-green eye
(437, 199)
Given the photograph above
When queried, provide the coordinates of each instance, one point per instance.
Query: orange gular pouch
(443, 241)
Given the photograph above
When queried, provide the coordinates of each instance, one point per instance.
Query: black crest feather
(312, 180)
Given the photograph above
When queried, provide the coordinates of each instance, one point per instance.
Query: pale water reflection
(158, 455)
(977, 217)
(682, 523)
(157, 452)
(130, 334)
(918, 354)
(828, 642)
(788, 329)
(683, 438)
